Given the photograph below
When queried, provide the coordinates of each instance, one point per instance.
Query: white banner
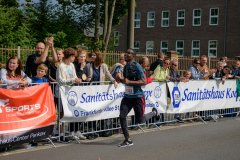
(88, 103)
(202, 95)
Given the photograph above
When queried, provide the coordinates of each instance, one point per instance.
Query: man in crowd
(133, 78)
(159, 61)
(235, 70)
(218, 73)
(174, 76)
(144, 63)
(203, 68)
(40, 57)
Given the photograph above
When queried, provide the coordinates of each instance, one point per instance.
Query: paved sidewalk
(48, 145)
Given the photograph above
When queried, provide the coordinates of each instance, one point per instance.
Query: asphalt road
(214, 140)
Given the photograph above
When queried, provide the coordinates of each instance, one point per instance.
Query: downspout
(225, 30)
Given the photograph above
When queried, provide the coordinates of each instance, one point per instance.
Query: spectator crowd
(76, 67)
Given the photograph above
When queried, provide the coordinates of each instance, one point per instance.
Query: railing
(111, 57)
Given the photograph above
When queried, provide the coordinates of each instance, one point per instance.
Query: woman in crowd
(118, 67)
(223, 60)
(80, 65)
(13, 75)
(226, 74)
(161, 73)
(91, 57)
(98, 70)
(53, 69)
(195, 73)
(53, 66)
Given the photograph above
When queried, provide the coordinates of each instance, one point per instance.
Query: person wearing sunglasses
(194, 68)
(173, 73)
(161, 73)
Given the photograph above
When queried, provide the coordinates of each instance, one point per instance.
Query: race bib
(129, 89)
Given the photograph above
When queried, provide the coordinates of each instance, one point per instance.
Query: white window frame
(180, 18)
(197, 17)
(162, 46)
(212, 48)
(165, 19)
(116, 44)
(150, 20)
(137, 20)
(195, 48)
(149, 48)
(135, 47)
(180, 48)
(215, 16)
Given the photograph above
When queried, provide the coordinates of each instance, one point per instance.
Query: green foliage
(9, 3)
(66, 21)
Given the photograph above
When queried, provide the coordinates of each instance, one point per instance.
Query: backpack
(106, 124)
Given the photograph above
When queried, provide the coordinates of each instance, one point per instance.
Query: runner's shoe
(126, 143)
(157, 115)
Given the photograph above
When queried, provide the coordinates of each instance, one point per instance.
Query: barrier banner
(95, 102)
(26, 114)
(202, 95)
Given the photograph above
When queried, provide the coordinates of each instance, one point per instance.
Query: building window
(180, 17)
(213, 20)
(149, 47)
(197, 17)
(212, 48)
(179, 47)
(195, 48)
(165, 18)
(137, 20)
(136, 46)
(150, 19)
(164, 46)
(116, 38)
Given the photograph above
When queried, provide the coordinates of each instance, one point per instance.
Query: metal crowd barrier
(113, 124)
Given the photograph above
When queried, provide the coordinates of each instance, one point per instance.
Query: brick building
(191, 27)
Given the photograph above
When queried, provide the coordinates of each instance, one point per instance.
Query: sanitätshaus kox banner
(88, 103)
(202, 95)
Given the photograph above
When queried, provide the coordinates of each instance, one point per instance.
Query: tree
(13, 31)
(97, 24)
(9, 3)
(109, 27)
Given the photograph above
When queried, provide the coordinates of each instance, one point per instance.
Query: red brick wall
(204, 33)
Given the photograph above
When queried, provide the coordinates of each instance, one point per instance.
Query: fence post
(19, 53)
(209, 64)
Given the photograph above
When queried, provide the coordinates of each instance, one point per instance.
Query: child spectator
(66, 75)
(187, 74)
(42, 70)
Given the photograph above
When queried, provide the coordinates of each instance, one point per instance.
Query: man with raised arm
(40, 57)
(133, 78)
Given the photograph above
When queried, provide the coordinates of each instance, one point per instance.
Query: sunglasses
(166, 63)
(174, 65)
(197, 63)
(129, 52)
